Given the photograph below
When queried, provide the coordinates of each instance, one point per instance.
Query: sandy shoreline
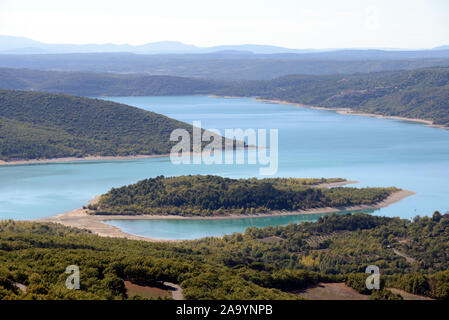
(73, 159)
(80, 218)
(350, 112)
(344, 111)
(105, 158)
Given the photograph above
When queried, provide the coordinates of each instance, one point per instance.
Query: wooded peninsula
(217, 196)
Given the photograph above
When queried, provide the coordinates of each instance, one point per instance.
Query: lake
(312, 143)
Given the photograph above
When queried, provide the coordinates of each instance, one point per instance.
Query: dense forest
(213, 195)
(37, 125)
(267, 263)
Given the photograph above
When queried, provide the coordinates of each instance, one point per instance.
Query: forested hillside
(422, 93)
(92, 84)
(268, 263)
(214, 195)
(41, 125)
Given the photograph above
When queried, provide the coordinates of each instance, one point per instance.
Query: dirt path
(20, 286)
(403, 255)
(408, 296)
(176, 292)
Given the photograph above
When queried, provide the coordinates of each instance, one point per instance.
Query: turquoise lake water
(312, 143)
(194, 229)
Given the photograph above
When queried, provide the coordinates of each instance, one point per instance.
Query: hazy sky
(289, 23)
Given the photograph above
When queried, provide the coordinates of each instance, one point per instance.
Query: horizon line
(226, 45)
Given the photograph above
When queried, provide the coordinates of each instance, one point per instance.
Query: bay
(312, 143)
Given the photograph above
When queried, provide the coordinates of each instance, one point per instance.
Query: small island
(214, 196)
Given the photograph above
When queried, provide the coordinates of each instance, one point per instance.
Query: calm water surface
(194, 229)
(312, 143)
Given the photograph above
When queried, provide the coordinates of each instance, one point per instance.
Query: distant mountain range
(22, 45)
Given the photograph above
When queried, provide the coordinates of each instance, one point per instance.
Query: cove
(168, 229)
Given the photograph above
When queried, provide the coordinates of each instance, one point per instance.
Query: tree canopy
(267, 263)
(37, 125)
(213, 195)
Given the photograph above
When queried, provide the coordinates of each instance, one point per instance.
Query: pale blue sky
(289, 23)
